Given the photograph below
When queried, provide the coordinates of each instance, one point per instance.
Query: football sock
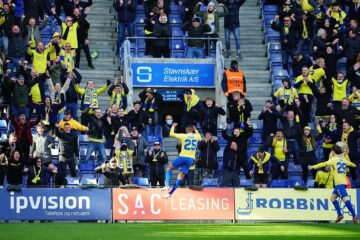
(176, 185)
(337, 207)
(350, 207)
(167, 178)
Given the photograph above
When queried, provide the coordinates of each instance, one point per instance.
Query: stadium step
(102, 38)
(254, 62)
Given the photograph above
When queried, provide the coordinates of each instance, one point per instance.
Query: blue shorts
(340, 191)
(182, 162)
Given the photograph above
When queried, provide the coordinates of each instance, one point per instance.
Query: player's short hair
(336, 149)
(67, 124)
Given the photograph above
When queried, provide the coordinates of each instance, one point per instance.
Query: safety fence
(147, 204)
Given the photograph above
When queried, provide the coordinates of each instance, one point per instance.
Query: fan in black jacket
(208, 116)
(37, 174)
(157, 158)
(113, 174)
(162, 31)
(208, 155)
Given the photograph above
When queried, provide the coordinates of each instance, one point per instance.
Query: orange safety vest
(235, 81)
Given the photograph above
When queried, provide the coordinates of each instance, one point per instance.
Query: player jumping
(189, 142)
(339, 164)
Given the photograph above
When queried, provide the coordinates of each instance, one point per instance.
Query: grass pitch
(174, 231)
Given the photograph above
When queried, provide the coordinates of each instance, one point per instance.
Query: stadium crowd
(40, 96)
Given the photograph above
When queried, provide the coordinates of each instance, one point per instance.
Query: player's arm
(176, 135)
(321, 165)
(349, 163)
(197, 134)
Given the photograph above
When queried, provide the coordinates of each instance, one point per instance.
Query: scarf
(37, 176)
(151, 105)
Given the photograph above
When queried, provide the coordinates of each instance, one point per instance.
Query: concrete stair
(254, 61)
(102, 38)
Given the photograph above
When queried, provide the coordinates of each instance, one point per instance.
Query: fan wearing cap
(151, 102)
(191, 110)
(233, 80)
(37, 173)
(20, 92)
(307, 152)
(75, 125)
(117, 92)
(157, 158)
(125, 161)
(195, 30)
(337, 16)
(112, 172)
(212, 18)
(286, 94)
(209, 116)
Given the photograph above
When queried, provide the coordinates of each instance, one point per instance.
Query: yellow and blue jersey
(339, 164)
(189, 142)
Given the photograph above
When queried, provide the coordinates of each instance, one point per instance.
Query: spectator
(306, 32)
(16, 48)
(124, 157)
(329, 133)
(67, 57)
(289, 34)
(68, 150)
(71, 94)
(212, 18)
(337, 16)
(136, 117)
(192, 108)
(354, 73)
(64, 4)
(34, 31)
(78, 4)
(354, 98)
(286, 94)
(151, 102)
(83, 42)
(292, 131)
(347, 113)
(260, 162)
(324, 178)
(209, 116)
(317, 73)
(113, 173)
(340, 85)
(162, 32)
(74, 125)
(126, 12)
(322, 41)
(117, 92)
(37, 174)
(15, 169)
(233, 80)
(39, 56)
(208, 162)
(269, 115)
(287, 9)
(41, 147)
(241, 112)
(69, 28)
(196, 30)
(149, 30)
(89, 96)
(304, 84)
(241, 137)
(167, 126)
(348, 136)
(6, 150)
(331, 58)
(231, 174)
(307, 153)
(20, 92)
(3, 167)
(279, 146)
(160, 7)
(8, 24)
(24, 137)
(232, 25)
(351, 48)
(323, 103)
(34, 9)
(139, 145)
(96, 125)
(300, 61)
(157, 159)
(50, 111)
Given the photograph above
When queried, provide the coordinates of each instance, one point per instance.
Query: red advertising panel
(185, 204)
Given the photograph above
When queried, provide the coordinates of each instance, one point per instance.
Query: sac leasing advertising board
(289, 205)
(185, 204)
(55, 204)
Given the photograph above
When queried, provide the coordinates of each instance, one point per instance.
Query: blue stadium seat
(88, 179)
(310, 183)
(296, 183)
(210, 182)
(101, 180)
(140, 9)
(152, 139)
(3, 126)
(83, 139)
(174, 8)
(72, 181)
(140, 19)
(271, 36)
(144, 182)
(175, 20)
(294, 168)
(279, 73)
(178, 54)
(87, 166)
(274, 48)
(279, 183)
(275, 60)
(177, 32)
(246, 183)
(277, 83)
(256, 137)
(270, 9)
(3, 137)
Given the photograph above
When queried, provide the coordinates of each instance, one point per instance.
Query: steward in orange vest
(233, 80)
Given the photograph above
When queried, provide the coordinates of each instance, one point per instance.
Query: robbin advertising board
(185, 204)
(173, 75)
(289, 205)
(55, 204)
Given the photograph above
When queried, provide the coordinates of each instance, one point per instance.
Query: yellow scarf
(344, 139)
(305, 33)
